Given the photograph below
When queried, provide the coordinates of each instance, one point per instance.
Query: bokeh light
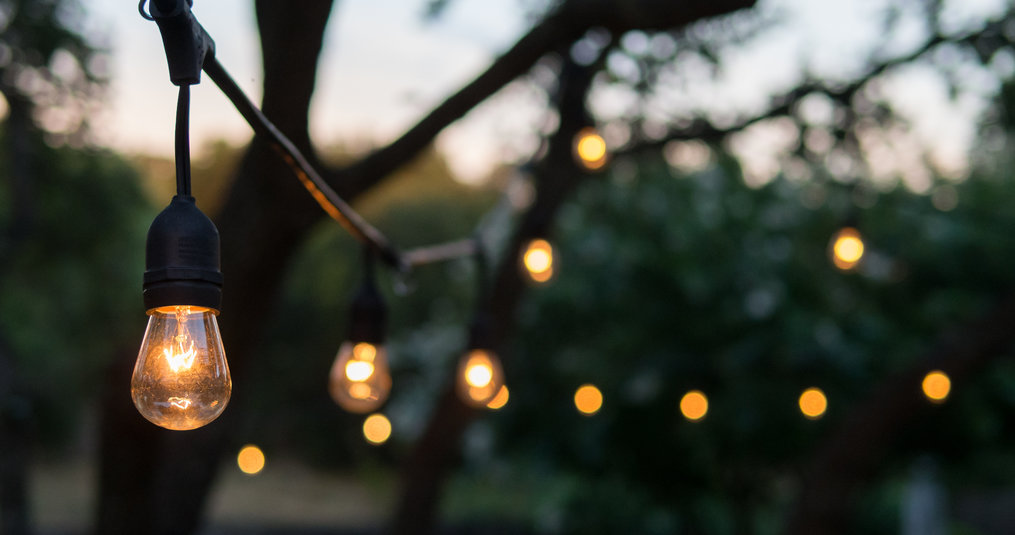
(590, 149)
(377, 428)
(847, 248)
(538, 260)
(694, 405)
(813, 403)
(588, 399)
(500, 399)
(936, 386)
(250, 459)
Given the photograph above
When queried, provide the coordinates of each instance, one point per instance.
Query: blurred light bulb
(936, 386)
(479, 377)
(181, 378)
(588, 399)
(590, 149)
(377, 429)
(847, 248)
(813, 403)
(538, 260)
(694, 405)
(250, 459)
(360, 380)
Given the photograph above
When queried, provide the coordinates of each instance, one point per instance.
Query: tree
(158, 482)
(50, 76)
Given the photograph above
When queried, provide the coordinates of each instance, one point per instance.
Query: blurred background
(780, 297)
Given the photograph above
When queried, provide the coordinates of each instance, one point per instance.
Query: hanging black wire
(310, 178)
(183, 142)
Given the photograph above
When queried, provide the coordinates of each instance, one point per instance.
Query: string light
(590, 149)
(813, 403)
(694, 405)
(588, 399)
(377, 428)
(250, 459)
(846, 248)
(360, 380)
(537, 260)
(936, 386)
(181, 379)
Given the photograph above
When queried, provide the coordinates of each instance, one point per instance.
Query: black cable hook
(144, 14)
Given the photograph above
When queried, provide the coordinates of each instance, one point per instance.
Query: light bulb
(846, 248)
(360, 380)
(590, 149)
(479, 377)
(537, 259)
(181, 378)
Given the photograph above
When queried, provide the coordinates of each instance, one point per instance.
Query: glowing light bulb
(813, 403)
(538, 260)
(377, 429)
(694, 405)
(250, 460)
(479, 377)
(181, 378)
(360, 380)
(847, 248)
(588, 399)
(590, 149)
(936, 386)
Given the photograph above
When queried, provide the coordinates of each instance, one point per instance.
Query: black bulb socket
(480, 332)
(368, 316)
(182, 258)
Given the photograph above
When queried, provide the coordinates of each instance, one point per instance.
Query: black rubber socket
(368, 315)
(182, 258)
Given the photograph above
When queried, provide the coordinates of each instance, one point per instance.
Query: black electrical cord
(183, 142)
(329, 200)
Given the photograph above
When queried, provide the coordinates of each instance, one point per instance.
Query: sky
(360, 99)
(383, 68)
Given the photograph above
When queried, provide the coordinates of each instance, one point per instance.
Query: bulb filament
(179, 356)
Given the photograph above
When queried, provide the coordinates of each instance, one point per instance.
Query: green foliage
(669, 283)
(71, 279)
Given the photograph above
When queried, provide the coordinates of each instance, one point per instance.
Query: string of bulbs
(181, 379)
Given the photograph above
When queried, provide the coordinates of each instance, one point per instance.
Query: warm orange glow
(694, 405)
(590, 149)
(358, 371)
(479, 377)
(538, 260)
(250, 459)
(936, 386)
(478, 374)
(181, 379)
(813, 403)
(377, 428)
(500, 399)
(588, 399)
(847, 248)
(360, 381)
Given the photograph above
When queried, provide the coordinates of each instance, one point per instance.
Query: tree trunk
(15, 404)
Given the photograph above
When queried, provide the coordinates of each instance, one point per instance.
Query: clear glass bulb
(181, 379)
(359, 380)
(479, 377)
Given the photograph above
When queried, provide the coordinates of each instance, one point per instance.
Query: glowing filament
(179, 403)
(478, 374)
(358, 370)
